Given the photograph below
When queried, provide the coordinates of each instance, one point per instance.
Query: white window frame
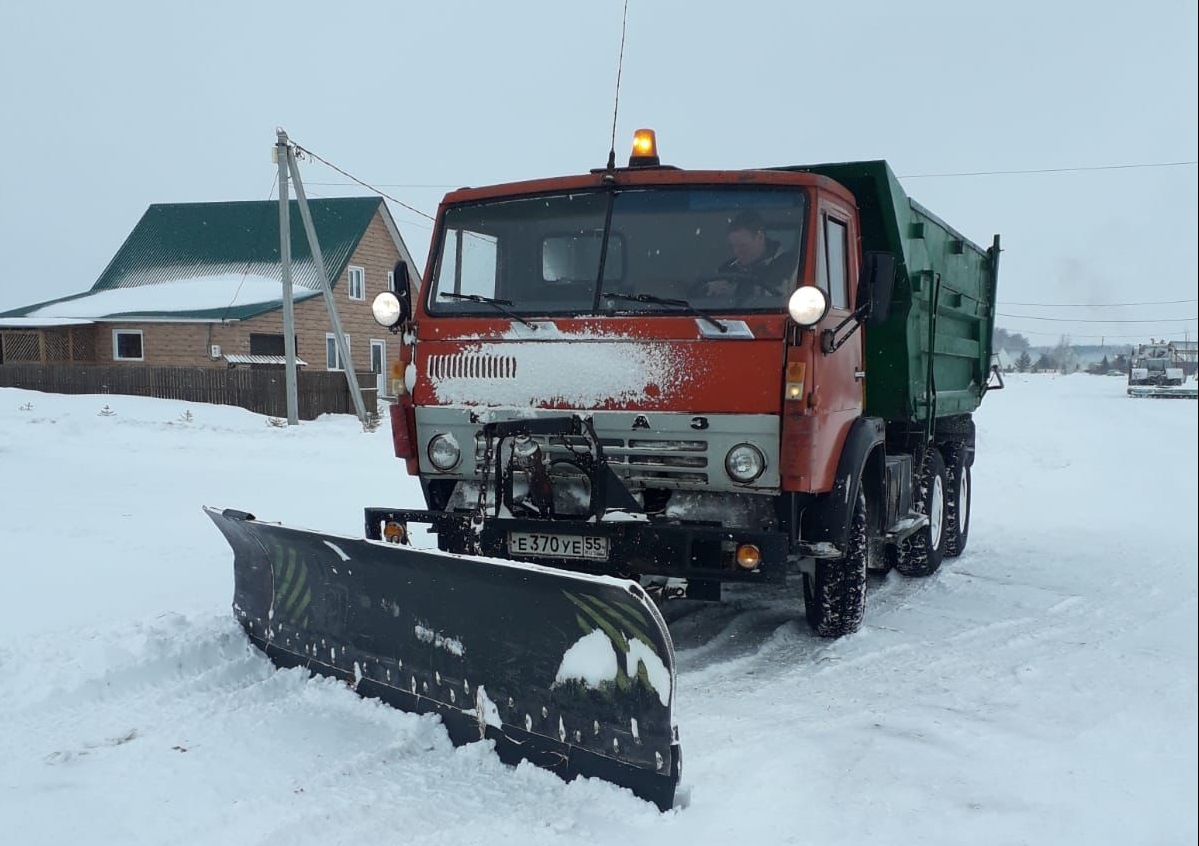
(380, 374)
(351, 272)
(116, 356)
(331, 362)
(391, 281)
(382, 345)
(838, 292)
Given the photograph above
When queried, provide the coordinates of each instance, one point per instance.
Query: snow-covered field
(1040, 689)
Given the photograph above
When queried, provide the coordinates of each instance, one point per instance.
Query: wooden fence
(260, 390)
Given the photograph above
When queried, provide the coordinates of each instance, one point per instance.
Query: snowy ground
(1040, 689)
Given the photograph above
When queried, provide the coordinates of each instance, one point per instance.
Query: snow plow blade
(570, 672)
(1164, 391)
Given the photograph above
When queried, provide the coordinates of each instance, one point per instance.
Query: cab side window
(832, 272)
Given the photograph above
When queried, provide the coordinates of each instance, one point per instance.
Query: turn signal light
(793, 388)
(395, 374)
(394, 532)
(748, 556)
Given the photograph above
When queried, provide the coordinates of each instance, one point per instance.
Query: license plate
(589, 547)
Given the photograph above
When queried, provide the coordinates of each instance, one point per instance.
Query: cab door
(837, 398)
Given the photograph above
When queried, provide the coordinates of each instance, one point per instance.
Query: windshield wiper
(650, 298)
(498, 305)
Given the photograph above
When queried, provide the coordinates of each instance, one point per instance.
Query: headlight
(744, 463)
(807, 306)
(386, 309)
(444, 452)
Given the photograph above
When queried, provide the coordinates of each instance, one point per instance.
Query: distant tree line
(1063, 358)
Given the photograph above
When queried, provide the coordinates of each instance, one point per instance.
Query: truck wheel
(835, 596)
(957, 502)
(922, 552)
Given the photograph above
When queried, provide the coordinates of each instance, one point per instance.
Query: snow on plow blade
(570, 672)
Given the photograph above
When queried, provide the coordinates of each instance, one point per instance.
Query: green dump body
(943, 302)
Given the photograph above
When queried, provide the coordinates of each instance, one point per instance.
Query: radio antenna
(624, 20)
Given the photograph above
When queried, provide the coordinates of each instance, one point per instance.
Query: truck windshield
(541, 255)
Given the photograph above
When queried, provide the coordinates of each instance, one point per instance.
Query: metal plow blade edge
(570, 672)
(1190, 391)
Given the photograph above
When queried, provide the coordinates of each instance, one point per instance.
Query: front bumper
(635, 547)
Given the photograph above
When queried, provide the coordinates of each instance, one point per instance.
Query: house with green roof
(200, 285)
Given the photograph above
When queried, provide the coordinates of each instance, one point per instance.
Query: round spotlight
(386, 309)
(807, 306)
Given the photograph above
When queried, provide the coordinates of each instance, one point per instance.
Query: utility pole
(289, 320)
(343, 349)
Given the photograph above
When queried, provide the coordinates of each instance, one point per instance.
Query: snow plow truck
(1157, 370)
(627, 378)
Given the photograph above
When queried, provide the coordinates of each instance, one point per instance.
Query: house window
(391, 280)
(127, 345)
(261, 344)
(332, 359)
(357, 286)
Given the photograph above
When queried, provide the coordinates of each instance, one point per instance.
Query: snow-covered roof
(183, 297)
(40, 322)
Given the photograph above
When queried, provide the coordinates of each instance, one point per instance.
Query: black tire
(921, 553)
(957, 501)
(835, 596)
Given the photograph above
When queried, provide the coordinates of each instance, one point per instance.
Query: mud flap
(573, 673)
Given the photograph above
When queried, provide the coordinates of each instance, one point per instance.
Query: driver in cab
(758, 266)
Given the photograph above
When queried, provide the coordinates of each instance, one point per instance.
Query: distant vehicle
(1156, 371)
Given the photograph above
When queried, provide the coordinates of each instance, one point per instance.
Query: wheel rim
(936, 509)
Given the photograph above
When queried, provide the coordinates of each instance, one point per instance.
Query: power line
(1074, 320)
(1076, 169)
(395, 185)
(327, 163)
(1102, 305)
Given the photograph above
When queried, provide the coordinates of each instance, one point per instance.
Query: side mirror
(403, 291)
(876, 283)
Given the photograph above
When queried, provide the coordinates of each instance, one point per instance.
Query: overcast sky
(110, 107)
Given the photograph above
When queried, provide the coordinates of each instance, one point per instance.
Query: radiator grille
(471, 366)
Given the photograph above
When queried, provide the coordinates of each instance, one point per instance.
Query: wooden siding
(49, 345)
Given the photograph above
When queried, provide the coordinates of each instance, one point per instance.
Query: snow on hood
(581, 369)
(230, 290)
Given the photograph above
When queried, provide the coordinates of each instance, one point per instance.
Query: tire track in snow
(762, 631)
